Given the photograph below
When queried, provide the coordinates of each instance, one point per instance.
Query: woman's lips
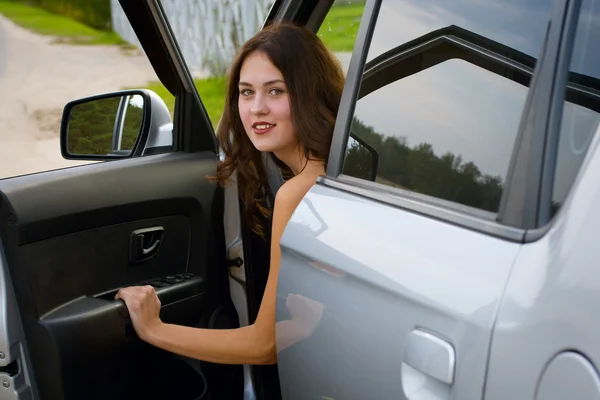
(260, 128)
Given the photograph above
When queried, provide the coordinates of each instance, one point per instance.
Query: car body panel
(377, 282)
(552, 297)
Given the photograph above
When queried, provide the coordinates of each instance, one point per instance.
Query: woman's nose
(259, 106)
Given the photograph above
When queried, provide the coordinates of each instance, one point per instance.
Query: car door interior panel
(71, 238)
(100, 227)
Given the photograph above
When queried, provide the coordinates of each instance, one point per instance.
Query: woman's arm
(253, 344)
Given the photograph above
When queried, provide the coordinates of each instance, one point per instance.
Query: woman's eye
(246, 92)
(276, 91)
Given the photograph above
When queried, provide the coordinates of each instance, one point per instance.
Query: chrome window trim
(424, 205)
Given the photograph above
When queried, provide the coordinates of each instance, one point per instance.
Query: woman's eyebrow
(241, 83)
(273, 81)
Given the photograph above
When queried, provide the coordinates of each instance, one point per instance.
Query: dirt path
(38, 78)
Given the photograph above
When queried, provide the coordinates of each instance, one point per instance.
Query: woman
(283, 96)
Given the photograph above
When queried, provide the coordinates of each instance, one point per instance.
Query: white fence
(208, 32)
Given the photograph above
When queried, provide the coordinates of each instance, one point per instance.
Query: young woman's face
(264, 105)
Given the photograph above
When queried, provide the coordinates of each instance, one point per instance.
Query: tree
(419, 169)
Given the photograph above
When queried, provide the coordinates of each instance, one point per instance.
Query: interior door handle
(430, 355)
(144, 243)
(152, 248)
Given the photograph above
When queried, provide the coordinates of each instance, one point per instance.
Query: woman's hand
(306, 315)
(305, 312)
(144, 308)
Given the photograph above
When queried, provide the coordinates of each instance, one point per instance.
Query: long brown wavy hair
(314, 81)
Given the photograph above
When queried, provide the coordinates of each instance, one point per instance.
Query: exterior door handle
(428, 367)
(144, 243)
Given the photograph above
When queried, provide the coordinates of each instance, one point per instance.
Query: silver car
(449, 253)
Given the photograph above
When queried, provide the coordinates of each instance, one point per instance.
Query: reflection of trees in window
(92, 124)
(419, 169)
(358, 161)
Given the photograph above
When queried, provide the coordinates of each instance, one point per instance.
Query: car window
(581, 111)
(50, 55)
(209, 33)
(443, 119)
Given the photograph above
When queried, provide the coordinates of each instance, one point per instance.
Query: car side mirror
(361, 160)
(115, 125)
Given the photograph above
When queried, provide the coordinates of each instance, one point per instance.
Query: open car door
(71, 238)
(396, 262)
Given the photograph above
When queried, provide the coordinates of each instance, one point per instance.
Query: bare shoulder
(291, 193)
(289, 196)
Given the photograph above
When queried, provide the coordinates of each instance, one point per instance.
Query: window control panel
(170, 280)
(170, 286)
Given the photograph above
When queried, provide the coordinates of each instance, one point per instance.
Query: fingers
(136, 292)
(121, 294)
(126, 293)
(289, 301)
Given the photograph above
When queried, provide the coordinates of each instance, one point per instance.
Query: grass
(212, 93)
(340, 26)
(64, 29)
